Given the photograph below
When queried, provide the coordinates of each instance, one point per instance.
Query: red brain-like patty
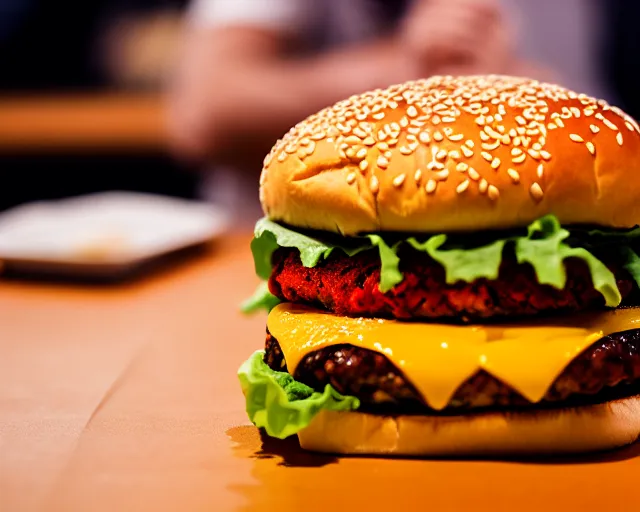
(349, 286)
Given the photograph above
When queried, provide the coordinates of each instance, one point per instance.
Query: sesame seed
(412, 111)
(362, 153)
(351, 177)
(359, 132)
(454, 154)
(492, 133)
(469, 143)
(417, 176)
(521, 120)
(398, 180)
(513, 133)
(575, 111)
(481, 121)
(431, 186)
(374, 184)
(519, 159)
(487, 156)
(382, 162)
(456, 138)
(594, 128)
(435, 120)
(629, 126)
(363, 165)
(437, 136)
(303, 154)
(575, 137)
(378, 116)
(609, 124)
(448, 119)
(536, 191)
(462, 167)
(536, 146)
(492, 146)
(600, 116)
(473, 174)
(404, 122)
(514, 175)
(534, 154)
(484, 136)
(462, 186)
(425, 137)
(441, 175)
(434, 165)
(545, 155)
(560, 122)
(495, 163)
(552, 126)
(441, 155)
(619, 138)
(517, 141)
(540, 171)
(466, 151)
(483, 186)
(388, 155)
(591, 148)
(494, 193)
(405, 150)
(588, 112)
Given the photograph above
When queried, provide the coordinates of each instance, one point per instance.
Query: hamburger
(451, 268)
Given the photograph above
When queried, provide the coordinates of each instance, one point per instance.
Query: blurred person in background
(250, 69)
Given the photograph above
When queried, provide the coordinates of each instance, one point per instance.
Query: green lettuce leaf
(261, 299)
(545, 245)
(544, 248)
(282, 405)
(269, 235)
(463, 264)
(631, 263)
(390, 274)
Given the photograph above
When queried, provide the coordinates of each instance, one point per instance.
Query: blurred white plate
(106, 229)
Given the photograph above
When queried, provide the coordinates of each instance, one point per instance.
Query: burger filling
(350, 286)
(442, 323)
(606, 369)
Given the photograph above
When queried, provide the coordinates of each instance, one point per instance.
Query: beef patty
(349, 286)
(607, 368)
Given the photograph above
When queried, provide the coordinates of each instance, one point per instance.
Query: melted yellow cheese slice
(438, 358)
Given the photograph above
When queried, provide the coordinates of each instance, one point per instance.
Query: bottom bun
(551, 431)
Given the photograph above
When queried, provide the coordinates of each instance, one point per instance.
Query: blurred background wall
(124, 49)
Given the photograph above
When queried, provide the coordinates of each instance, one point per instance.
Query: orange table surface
(125, 398)
(86, 122)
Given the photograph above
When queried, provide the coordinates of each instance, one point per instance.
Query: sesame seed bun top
(456, 154)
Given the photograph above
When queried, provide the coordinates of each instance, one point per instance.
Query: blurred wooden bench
(82, 123)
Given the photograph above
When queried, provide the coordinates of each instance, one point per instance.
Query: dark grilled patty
(613, 361)
(349, 286)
